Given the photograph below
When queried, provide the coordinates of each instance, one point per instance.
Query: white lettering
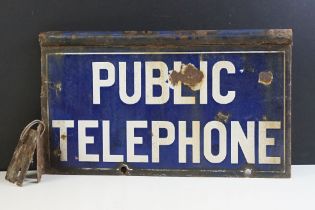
(194, 141)
(84, 140)
(160, 81)
(208, 142)
(123, 83)
(264, 142)
(178, 98)
(132, 140)
(107, 157)
(247, 144)
(63, 126)
(216, 70)
(157, 141)
(98, 82)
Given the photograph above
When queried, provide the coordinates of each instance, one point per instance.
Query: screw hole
(123, 169)
(248, 172)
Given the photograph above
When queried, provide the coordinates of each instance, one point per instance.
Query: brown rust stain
(73, 36)
(135, 33)
(222, 117)
(63, 137)
(265, 78)
(189, 75)
(202, 32)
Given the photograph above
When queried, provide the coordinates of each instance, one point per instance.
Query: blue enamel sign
(186, 111)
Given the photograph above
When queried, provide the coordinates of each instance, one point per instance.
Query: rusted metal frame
(51, 44)
(288, 106)
(127, 38)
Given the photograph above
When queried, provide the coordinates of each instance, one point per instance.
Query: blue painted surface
(253, 101)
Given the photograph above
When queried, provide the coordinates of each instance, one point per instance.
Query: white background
(78, 192)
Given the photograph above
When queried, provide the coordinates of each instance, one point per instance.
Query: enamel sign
(189, 103)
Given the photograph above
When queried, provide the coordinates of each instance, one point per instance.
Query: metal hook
(30, 125)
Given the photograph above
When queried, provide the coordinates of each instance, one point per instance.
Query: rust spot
(265, 77)
(58, 87)
(222, 117)
(133, 33)
(189, 75)
(57, 152)
(63, 137)
(202, 32)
